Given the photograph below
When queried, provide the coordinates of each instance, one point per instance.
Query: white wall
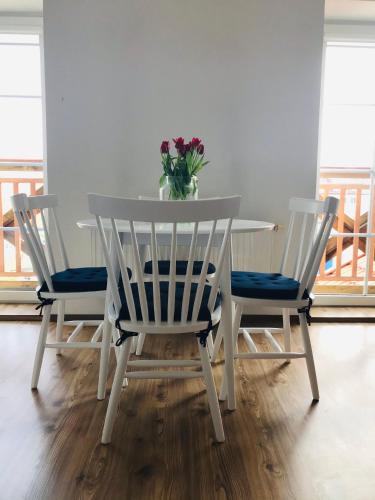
(123, 75)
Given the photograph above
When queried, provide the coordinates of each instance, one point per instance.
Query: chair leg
(134, 345)
(116, 391)
(223, 389)
(309, 356)
(236, 326)
(286, 328)
(41, 346)
(210, 344)
(140, 342)
(115, 337)
(105, 351)
(219, 337)
(60, 323)
(236, 330)
(211, 394)
(217, 343)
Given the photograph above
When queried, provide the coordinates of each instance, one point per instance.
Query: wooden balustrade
(343, 264)
(17, 179)
(345, 260)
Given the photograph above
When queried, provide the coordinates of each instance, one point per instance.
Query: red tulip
(200, 149)
(179, 140)
(164, 148)
(195, 142)
(179, 145)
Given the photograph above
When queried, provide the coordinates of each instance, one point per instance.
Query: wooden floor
(278, 445)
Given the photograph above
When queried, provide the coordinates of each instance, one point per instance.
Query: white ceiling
(350, 10)
(21, 6)
(342, 10)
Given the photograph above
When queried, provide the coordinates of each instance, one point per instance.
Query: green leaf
(162, 180)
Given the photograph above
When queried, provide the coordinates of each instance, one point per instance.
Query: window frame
(351, 34)
(28, 25)
(31, 26)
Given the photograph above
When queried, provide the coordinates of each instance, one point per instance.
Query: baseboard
(276, 321)
(253, 320)
(82, 317)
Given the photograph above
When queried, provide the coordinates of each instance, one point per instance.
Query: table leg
(228, 384)
(139, 341)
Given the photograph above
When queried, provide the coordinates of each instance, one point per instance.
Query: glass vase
(179, 188)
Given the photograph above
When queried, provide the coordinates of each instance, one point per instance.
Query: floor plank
(278, 445)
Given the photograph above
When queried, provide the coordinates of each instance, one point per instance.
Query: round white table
(239, 226)
(143, 228)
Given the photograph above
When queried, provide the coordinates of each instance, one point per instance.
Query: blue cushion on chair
(273, 286)
(181, 267)
(203, 315)
(79, 279)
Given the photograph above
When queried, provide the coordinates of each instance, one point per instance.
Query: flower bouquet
(179, 180)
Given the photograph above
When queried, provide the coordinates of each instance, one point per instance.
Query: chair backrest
(308, 232)
(28, 211)
(181, 216)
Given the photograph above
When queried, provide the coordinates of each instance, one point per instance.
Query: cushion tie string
(306, 310)
(124, 334)
(43, 302)
(203, 334)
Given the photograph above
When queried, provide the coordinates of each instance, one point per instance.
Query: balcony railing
(348, 263)
(15, 266)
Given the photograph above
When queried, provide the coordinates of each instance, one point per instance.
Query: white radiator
(251, 252)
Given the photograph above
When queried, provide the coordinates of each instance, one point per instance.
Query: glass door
(21, 147)
(347, 167)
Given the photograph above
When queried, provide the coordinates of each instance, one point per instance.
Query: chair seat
(271, 286)
(181, 267)
(79, 279)
(204, 314)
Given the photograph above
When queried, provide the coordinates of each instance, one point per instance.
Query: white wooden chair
(69, 284)
(308, 232)
(163, 305)
(181, 268)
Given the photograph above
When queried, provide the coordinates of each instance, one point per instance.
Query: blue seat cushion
(181, 267)
(272, 286)
(204, 314)
(79, 279)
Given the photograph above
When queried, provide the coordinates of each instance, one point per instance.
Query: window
(21, 145)
(347, 166)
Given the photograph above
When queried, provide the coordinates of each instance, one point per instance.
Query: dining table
(164, 231)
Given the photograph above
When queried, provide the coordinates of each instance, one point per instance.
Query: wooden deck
(342, 287)
(9, 284)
